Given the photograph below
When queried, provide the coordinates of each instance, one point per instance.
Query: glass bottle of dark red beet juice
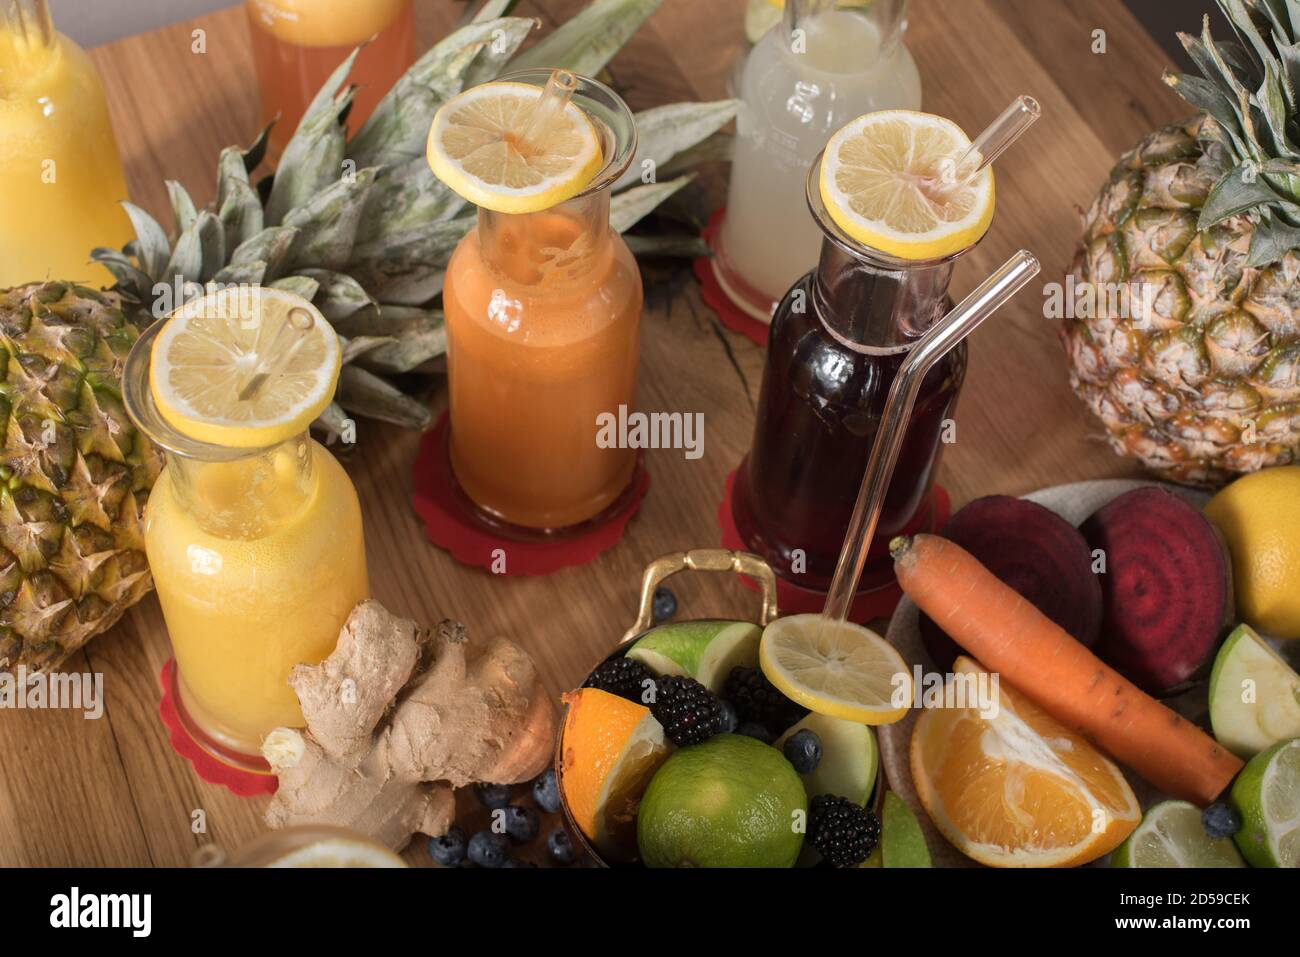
(837, 340)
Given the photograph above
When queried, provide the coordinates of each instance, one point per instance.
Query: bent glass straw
(941, 337)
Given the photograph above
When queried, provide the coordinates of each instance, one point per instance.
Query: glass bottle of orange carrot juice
(543, 307)
(297, 44)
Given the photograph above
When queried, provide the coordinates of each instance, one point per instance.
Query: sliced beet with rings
(1166, 587)
(1035, 551)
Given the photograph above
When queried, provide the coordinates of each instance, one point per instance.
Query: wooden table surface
(111, 792)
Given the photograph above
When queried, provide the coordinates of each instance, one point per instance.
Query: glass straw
(284, 344)
(993, 142)
(941, 337)
(555, 97)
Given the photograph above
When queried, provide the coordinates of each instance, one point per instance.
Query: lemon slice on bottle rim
(476, 147)
(883, 182)
(836, 668)
(205, 359)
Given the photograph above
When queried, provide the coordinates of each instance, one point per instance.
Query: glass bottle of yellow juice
(62, 181)
(253, 530)
(297, 44)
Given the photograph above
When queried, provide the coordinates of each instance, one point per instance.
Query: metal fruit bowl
(696, 560)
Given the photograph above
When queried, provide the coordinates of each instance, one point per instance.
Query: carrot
(1010, 636)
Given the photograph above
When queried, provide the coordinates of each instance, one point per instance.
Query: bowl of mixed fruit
(723, 743)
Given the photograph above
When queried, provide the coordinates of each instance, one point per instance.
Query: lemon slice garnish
(836, 668)
(210, 350)
(883, 183)
(476, 146)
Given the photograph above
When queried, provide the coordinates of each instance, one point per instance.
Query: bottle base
(743, 296)
(476, 516)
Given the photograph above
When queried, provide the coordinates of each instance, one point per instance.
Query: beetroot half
(1166, 587)
(1037, 553)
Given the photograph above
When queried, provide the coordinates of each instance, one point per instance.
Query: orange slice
(1018, 789)
(611, 748)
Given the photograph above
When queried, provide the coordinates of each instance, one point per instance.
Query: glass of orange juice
(543, 313)
(297, 44)
(254, 537)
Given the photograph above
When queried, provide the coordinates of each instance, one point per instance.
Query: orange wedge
(1018, 789)
(611, 748)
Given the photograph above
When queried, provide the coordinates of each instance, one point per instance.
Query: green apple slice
(1171, 835)
(703, 650)
(1267, 796)
(1254, 695)
(901, 838)
(849, 759)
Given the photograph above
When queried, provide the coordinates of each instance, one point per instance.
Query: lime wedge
(1267, 796)
(703, 650)
(902, 842)
(1171, 835)
(849, 758)
(1254, 695)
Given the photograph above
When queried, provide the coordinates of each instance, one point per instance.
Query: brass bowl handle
(703, 560)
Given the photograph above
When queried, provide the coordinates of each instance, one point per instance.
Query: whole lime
(730, 801)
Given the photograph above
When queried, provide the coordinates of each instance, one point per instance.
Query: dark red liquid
(818, 413)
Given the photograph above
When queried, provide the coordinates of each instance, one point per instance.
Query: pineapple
(76, 473)
(360, 226)
(1197, 373)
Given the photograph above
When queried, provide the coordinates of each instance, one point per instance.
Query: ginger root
(397, 718)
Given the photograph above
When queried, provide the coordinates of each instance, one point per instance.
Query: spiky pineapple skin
(1203, 386)
(74, 472)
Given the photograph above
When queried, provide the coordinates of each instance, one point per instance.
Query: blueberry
(448, 850)
(516, 862)
(803, 749)
(493, 796)
(546, 791)
(560, 847)
(489, 850)
(1220, 820)
(730, 720)
(665, 604)
(521, 823)
(752, 729)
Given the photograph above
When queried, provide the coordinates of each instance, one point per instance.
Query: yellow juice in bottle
(63, 184)
(257, 563)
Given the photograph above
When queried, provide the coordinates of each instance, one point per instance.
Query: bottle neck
(26, 37)
(889, 17)
(553, 245)
(248, 497)
(877, 307)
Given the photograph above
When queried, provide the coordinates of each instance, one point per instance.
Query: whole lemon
(1259, 515)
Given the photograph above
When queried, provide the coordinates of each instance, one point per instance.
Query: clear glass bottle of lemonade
(253, 530)
(63, 184)
(297, 44)
(543, 319)
(823, 65)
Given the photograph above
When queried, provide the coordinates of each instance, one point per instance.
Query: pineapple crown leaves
(1248, 88)
(362, 227)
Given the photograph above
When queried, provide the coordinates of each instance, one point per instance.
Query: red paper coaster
(867, 605)
(732, 316)
(205, 760)
(454, 524)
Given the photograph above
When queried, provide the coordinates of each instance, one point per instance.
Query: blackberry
(624, 677)
(842, 832)
(756, 699)
(689, 712)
